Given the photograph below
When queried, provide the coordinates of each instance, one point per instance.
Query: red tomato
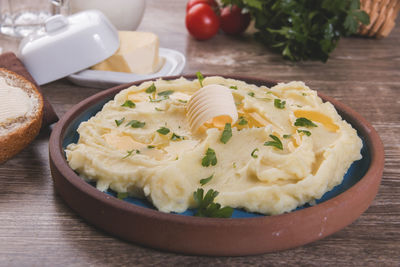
(202, 22)
(233, 21)
(211, 3)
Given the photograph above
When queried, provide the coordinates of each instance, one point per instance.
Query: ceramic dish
(245, 233)
(174, 62)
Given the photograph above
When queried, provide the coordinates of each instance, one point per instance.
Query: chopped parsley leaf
(168, 92)
(122, 195)
(200, 77)
(210, 158)
(287, 136)
(206, 180)
(303, 94)
(234, 165)
(119, 122)
(234, 87)
(129, 153)
(304, 122)
(308, 133)
(136, 124)
(182, 101)
(251, 94)
(253, 153)
(129, 104)
(206, 207)
(176, 137)
(226, 133)
(150, 147)
(158, 109)
(279, 104)
(164, 97)
(151, 89)
(276, 143)
(242, 121)
(163, 130)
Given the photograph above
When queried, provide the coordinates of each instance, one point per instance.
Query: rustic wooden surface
(38, 229)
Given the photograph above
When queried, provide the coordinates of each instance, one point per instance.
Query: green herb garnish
(210, 158)
(304, 122)
(158, 109)
(275, 143)
(122, 195)
(168, 92)
(129, 104)
(234, 87)
(150, 147)
(226, 133)
(253, 153)
(206, 207)
(279, 104)
(176, 137)
(163, 130)
(182, 101)
(206, 180)
(242, 121)
(129, 153)
(287, 136)
(119, 122)
(151, 89)
(164, 97)
(251, 94)
(136, 124)
(200, 77)
(308, 133)
(303, 30)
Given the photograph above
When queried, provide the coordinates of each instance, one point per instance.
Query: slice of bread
(21, 113)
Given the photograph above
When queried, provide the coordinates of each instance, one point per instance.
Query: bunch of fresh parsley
(303, 29)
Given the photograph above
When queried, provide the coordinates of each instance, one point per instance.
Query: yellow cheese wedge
(137, 53)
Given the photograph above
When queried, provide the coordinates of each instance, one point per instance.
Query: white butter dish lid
(67, 45)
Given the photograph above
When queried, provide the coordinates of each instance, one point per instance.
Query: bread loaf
(21, 111)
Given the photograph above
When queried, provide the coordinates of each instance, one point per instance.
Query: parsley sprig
(210, 158)
(206, 180)
(151, 89)
(136, 124)
(206, 207)
(226, 133)
(275, 143)
(304, 122)
(129, 104)
(200, 77)
(163, 130)
(279, 103)
(119, 122)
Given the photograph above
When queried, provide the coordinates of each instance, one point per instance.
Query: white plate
(174, 62)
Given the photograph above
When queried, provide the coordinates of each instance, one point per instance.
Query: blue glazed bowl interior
(355, 173)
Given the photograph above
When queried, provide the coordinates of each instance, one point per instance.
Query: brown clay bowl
(215, 236)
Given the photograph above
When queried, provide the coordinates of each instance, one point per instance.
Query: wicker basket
(382, 15)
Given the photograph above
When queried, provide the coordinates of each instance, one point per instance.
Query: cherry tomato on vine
(233, 21)
(211, 3)
(202, 22)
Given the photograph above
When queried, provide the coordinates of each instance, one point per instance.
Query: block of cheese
(137, 53)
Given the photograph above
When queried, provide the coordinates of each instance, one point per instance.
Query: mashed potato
(148, 150)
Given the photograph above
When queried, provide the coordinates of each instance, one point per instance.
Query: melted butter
(317, 117)
(14, 102)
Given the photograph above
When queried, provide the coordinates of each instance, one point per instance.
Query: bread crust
(17, 139)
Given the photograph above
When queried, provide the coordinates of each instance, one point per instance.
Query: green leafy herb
(200, 77)
(251, 94)
(182, 101)
(150, 146)
(226, 133)
(164, 97)
(253, 153)
(304, 29)
(163, 130)
(151, 89)
(136, 124)
(303, 94)
(308, 133)
(158, 109)
(137, 151)
(234, 165)
(275, 143)
(168, 92)
(176, 137)
(242, 121)
(210, 158)
(234, 87)
(119, 122)
(279, 104)
(122, 195)
(206, 207)
(287, 136)
(129, 153)
(206, 180)
(129, 104)
(304, 122)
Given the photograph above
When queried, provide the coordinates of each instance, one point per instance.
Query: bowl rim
(371, 178)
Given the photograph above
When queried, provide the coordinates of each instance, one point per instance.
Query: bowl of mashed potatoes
(279, 166)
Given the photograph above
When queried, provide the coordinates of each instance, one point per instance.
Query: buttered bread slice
(21, 111)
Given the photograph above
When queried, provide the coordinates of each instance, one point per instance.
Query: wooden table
(37, 228)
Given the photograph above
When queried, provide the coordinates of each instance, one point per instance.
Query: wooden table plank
(38, 229)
